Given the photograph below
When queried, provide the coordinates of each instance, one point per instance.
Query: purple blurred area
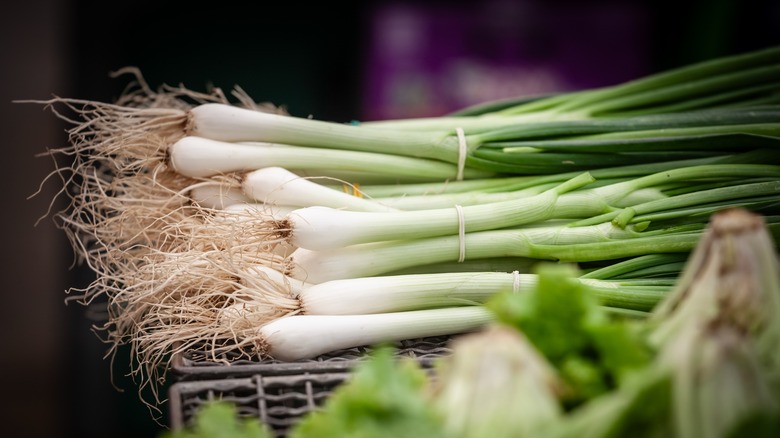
(336, 61)
(427, 60)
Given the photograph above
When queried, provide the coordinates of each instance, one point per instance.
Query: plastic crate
(277, 401)
(277, 393)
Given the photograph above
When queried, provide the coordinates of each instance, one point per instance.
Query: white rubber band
(515, 281)
(461, 234)
(463, 150)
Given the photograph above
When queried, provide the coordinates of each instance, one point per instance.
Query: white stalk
(372, 259)
(359, 163)
(276, 185)
(320, 228)
(307, 336)
(398, 293)
(377, 258)
(408, 292)
(201, 157)
(232, 124)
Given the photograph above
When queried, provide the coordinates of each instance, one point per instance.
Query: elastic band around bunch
(515, 281)
(463, 150)
(461, 234)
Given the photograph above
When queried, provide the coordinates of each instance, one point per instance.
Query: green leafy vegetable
(219, 419)
(563, 320)
(384, 398)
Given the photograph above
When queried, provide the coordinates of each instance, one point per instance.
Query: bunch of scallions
(213, 220)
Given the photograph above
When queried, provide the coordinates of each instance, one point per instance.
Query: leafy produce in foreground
(496, 384)
(591, 349)
(220, 419)
(383, 398)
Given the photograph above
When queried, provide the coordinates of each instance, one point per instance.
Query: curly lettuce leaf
(385, 397)
(220, 419)
(563, 319)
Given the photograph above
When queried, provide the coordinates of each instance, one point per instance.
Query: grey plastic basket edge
(424, 350)
(277, 417)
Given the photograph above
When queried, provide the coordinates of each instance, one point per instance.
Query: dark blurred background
(338, 61)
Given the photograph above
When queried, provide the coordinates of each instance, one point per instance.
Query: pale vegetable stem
(555, 243)
(307, 336)
(318, 228)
